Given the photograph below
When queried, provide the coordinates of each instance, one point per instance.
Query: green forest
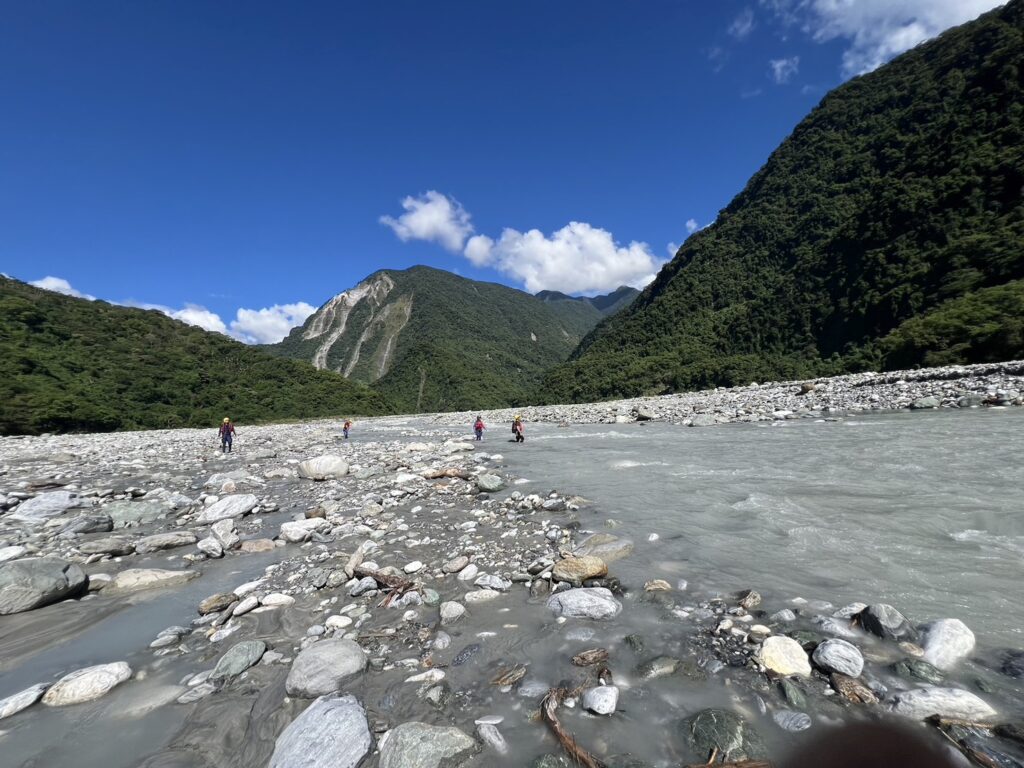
(69, 364)
(887, 231)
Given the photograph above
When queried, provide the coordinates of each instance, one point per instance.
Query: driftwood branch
(397, 584)
(549, 708)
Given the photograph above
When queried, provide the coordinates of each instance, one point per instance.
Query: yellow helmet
(226, 419)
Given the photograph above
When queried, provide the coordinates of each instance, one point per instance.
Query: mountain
(604, 306)
(886, 231)
(70, 364)
(430, 340)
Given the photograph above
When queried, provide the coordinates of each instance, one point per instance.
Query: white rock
(601, 700)
(946, 642)
(323, 468)
(583, 603)
(783, 656)
(13, 704)
(135, 579)
(210, 547)
(451, 612)
(12, 553)
(481, 596)
(947, 702)
(86, 684)
(277, 600)
(836, 655)
(414, 567)
(298, 531)
(332, 731)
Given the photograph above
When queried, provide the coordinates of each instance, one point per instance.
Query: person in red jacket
(227, 435)
(479, 428)
(518, 429)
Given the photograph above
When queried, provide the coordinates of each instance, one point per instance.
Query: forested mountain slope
(69, 364)
(430, 340)
(887, 231)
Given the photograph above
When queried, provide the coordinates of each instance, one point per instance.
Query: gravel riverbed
(404, 600)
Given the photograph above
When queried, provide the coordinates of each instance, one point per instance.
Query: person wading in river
(227, 435)
(518, 429)
(347, 426)
(479, 428)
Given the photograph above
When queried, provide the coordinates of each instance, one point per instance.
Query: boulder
(946, 642)
(230, 506)
(456, 564)
(703, 420)
(925, 403)
(839, 656)
(323, 468)
(418, 745)
(218, 602)
(297, 531)
(224, 532)
(597, 603)
(886, 622)
(783, 656)
(136, 579)
(45, 506)
(257, 545)
(161, 541)
(37, 581)
(322, 667)
(947, 702)
(607, 547)
(210, 547)
(127, 513)
(724, 731)
(238, 658)
(489, 483)
(91, 522)
(86, 684)
(13, 704)
(576, 570)
(12, 553)
(115, 546)
(332, 731)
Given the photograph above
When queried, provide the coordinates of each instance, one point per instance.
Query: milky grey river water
(921, 510)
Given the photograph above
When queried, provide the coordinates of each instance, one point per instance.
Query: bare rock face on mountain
(419, 335)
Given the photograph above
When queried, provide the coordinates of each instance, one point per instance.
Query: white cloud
(783, 70)
(60, 285)
(478, 250)
(270, 324)
(743, 24)
(692, 226)
(432, 216)
(252, 326)
(672, 248)
(578, 258)
(877, 30)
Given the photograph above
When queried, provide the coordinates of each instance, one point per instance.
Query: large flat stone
(332, 731)
(86, 684)
(136, 579)
(321, 668)
(418, 745)
(37, 581)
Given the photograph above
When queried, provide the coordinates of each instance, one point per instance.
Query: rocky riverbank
(956, 386)
(405, 601)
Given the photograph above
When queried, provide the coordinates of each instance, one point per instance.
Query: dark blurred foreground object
(864, 745)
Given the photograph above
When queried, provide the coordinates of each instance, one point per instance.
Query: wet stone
(727, 732)
(916, 669)
(660, 666)
(886, 622)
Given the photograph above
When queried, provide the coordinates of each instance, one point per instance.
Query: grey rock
(456, 564)
(161, 541)
(419, 745)
(451, 612)
(970, 400)
(238, 658)
(703, 420)
(127, 513)
(227, 507)
(725, 731)
(886, 622)
(1013, 664)
(224, 532)
(365, 584)
(332, 731)
(583, 603)
(322, 667)
(93, 522)
(788, 720)
(108, 545)
(135, 579)
(489, 483)
(660, 666)
(210, 547)
(947, 702)
(605, 546)
(45, 506)
(925, 403)
(491, 736)
(839, 656)
(37, 581)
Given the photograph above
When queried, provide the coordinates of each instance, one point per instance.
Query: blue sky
(238, 164)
